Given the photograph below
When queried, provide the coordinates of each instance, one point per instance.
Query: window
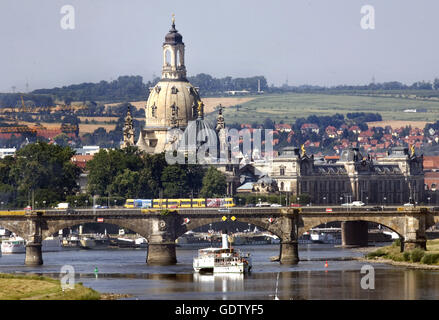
(282, 171)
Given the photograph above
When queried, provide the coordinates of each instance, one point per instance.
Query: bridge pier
(289, 252)
(354, 233)
(34, 256)
(161, 254)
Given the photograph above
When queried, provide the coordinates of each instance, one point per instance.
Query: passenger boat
(222, 260)
(18, 245)
(14, 245)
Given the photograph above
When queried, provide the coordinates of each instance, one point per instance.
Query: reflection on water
(125, 271)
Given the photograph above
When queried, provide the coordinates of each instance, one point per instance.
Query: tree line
(43, 174)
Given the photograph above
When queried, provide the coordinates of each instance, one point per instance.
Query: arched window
(168, 57)
(178, 57)
(282, 186)
(282, 171)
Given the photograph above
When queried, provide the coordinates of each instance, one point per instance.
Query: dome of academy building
(164, 95)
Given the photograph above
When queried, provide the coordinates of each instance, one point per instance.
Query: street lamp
(76, 201)
(367, 200)
(44, 204)
(260, 202)
(385, 203)
(324, 200)
(427, 199)
(86, 203)
(36, 204)
(115, 203)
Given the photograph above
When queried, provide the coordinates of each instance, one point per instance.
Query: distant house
(282, 127)
(355, 129)
(331, 132)
(81, 160)
(4, 152)
(309, 127)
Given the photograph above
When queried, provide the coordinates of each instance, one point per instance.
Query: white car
(262, 204)
(354, 204)
(276, 205)
(409, 204)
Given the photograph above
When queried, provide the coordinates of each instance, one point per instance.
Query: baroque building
(173, 101)
(395, 179)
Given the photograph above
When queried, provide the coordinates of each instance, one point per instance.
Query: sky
(315, 42)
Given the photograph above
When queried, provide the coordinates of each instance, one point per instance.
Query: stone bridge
(162, 227)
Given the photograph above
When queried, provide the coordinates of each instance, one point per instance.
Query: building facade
(395, 179)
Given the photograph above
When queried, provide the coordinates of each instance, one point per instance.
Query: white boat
(18, 245)
(51, 244)
(222, 260)
(14, 245)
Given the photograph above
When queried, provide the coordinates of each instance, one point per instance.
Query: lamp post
(260, 205)
(428, 201)
(115, 203)
(76, 202)
(324, 200)
(367, 201)
(86, 204)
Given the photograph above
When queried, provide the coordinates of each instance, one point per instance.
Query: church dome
(173, 37)
(171, 103)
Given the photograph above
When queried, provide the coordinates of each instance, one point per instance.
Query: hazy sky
(316, 42)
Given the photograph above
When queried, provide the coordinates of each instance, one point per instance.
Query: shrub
(430, 258)
(406, 256)
(396, 243)
(416, 255)
(377, 253)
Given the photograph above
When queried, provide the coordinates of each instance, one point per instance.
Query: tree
(125, 184)
(214, 183)
(174, 181)
(45, 170)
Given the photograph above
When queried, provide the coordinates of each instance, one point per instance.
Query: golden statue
(200, 108)
(173, 18)
(302, 148)
(412, 149)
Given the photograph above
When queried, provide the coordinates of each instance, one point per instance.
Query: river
(124, 271)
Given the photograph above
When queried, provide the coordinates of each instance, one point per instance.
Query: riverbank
(415, 259)
(33, 287)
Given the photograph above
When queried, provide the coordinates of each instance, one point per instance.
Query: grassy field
(288, 107)
(27, 287)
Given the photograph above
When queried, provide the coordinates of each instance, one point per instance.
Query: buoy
(326, 264)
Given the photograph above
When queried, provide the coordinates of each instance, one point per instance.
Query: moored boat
(222, 260)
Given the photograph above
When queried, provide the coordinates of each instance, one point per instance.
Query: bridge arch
(132, 225)
(308, 223)
(18, 228)
(258, 222)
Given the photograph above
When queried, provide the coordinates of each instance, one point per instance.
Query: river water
(124, 271)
